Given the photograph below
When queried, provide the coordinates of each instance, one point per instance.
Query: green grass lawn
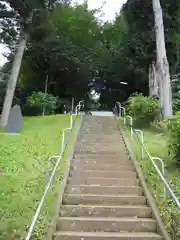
(23, 160)
(157, 145)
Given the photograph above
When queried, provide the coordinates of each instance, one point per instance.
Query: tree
(65, 46)
(153, 84)
(162, 62)
(17, 59)
(22, 12)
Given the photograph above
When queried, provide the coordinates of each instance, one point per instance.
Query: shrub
(175, 84)
(46, 102)
(159, 125)
(143, 109)
(174, 137)
(28, 110)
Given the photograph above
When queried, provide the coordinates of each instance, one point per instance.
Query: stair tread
(103, 198)
(112, 234)
(111, 186)
(107, 206)
(101, 195)
(125, 179)
(109, 219)
(106, 171)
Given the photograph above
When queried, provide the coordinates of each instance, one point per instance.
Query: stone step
(103, 174)
(103, 131)
(98, 155)
(100, 224)
(96, 149)
(100, 151)
(93, 136)
(121, 160)
(105, 211)
(86, 199)
(103, 199)
(98, 145)
(101, 135)
(90, 189)
(99, 141)
(104, 181)
(102, 155)
(106, 236)
(102, 167)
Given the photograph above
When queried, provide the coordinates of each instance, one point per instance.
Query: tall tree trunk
(150, 81)
(162, 62)
(153, 84)
(12, 81)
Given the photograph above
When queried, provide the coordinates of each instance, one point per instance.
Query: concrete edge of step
(150, 199)
(58, 202)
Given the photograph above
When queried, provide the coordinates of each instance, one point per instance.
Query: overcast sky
(110, 7)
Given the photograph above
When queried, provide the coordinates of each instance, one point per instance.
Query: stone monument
(15, 120)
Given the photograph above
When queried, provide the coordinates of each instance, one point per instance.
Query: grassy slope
(25, 172)
(157, 145)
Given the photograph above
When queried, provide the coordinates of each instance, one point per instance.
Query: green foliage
(43, 101)
(175, 84)
(79, 52)
(157, 145)
(26, 170)
(143, 109)
(160, 126)
(174, 137)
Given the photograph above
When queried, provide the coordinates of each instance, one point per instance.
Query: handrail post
(76, 109)
(163, 172)
(63, 138)
(78, 106)
(130, 120)
(71, 121)
(124, 113)
(62, 141)
(142, 141)
(119, 107)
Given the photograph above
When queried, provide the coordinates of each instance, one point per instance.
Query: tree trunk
(150, 81)
(162, 62)
(153, 84)
(12, 81)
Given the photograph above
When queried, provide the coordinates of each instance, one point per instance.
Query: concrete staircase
(103, 199)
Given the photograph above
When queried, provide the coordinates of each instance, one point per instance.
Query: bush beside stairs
(103, 199)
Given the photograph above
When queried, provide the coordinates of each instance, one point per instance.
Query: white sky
(110, 7)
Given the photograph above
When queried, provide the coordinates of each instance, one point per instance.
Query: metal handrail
(78, 106)
(150, 157)
(163, 171)
(142, 141)
(127, 117)
(63, 137)
(166, 185)
(161, 174)
(47, 187)
(121, 108)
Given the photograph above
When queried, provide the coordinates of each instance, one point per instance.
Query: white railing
(58, 158)
(78, 107)
(161, 173)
